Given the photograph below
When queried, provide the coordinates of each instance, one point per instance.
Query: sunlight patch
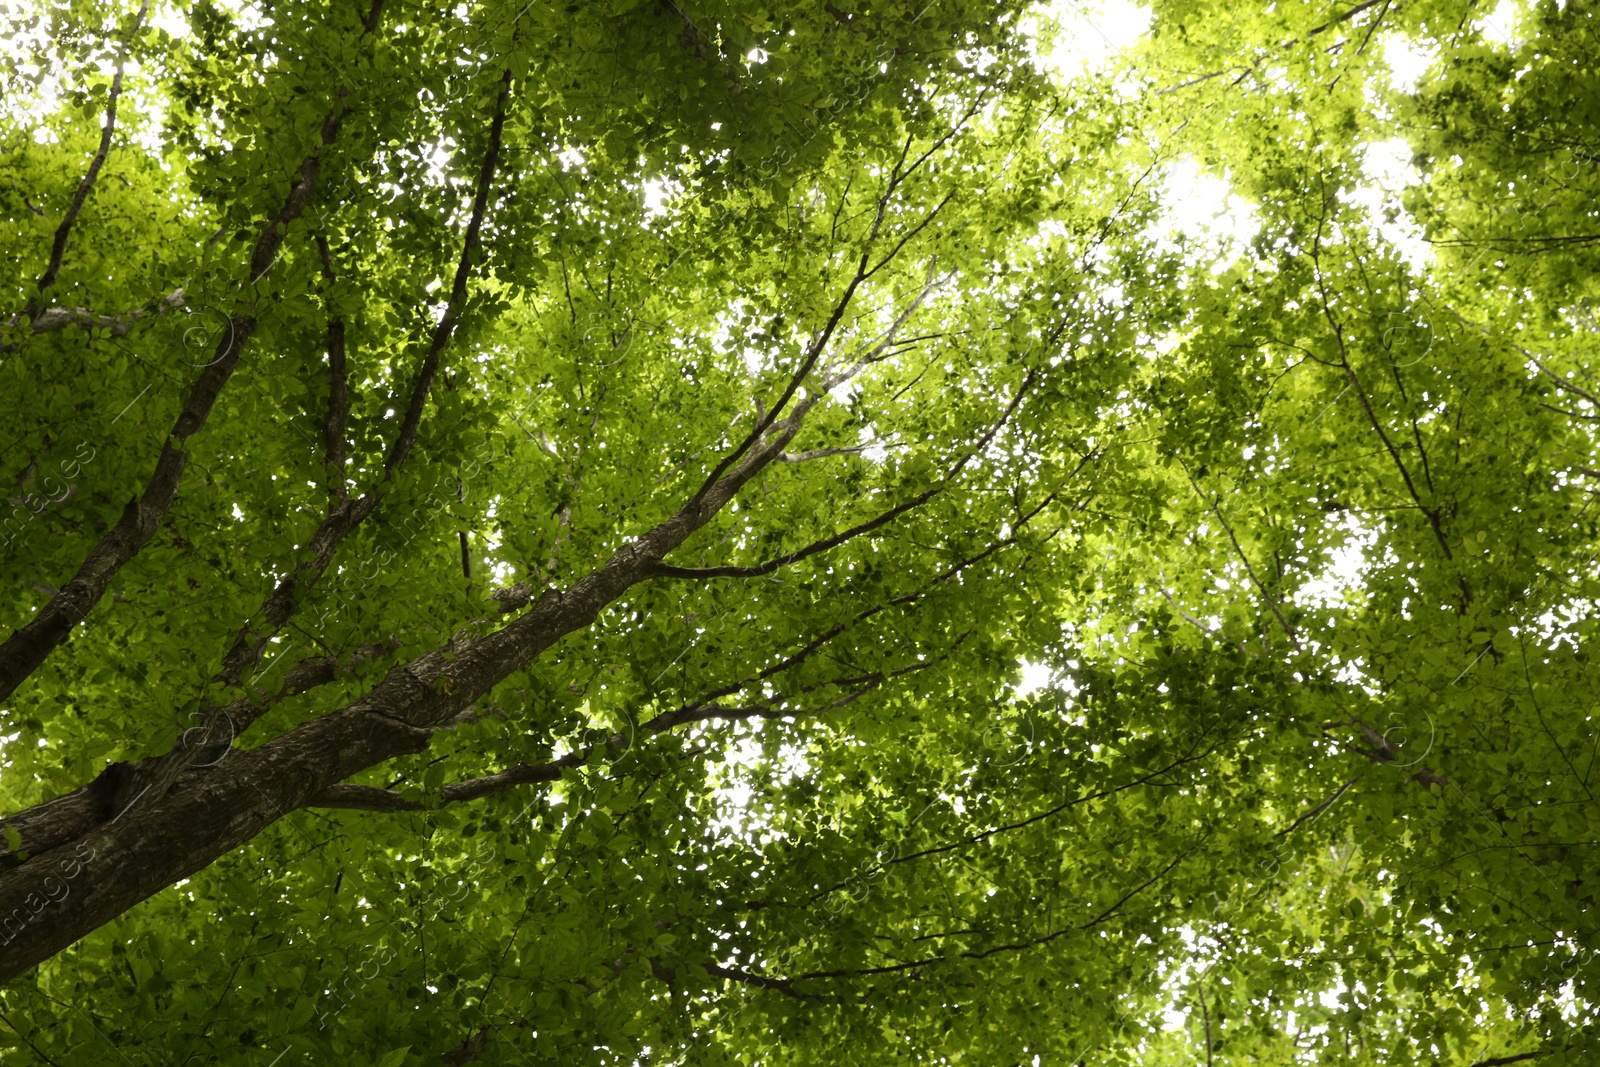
(1205, 213)
(1408, 61)
(739, 816)
(1499, 27)
(1035, 676)
(174, 21)
(658, 194)
(1071, 39)
(1389, 172)
(1346, 569)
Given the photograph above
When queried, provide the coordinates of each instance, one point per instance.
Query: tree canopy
(690, 533)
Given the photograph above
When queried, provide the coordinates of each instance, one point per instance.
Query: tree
(528, 522)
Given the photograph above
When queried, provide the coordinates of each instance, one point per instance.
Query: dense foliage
(527, 524)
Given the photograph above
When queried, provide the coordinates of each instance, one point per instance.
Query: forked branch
(26, 648)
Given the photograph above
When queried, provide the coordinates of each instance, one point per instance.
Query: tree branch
(58, 247)
(1020, 946)
(1285, 46)
(1319, 809)
(810, 648)
(973, 839)
(1190, 619)
(821, 453)
(760, 981)
(51, 319)
(1272, 602)
(374, 798)
(815, 349)
(664, 570)
(458, 290)
(1520, 1057)
(338, 391)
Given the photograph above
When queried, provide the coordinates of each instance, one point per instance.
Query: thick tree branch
(218, 808)
(63, 819)
(225, 724)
